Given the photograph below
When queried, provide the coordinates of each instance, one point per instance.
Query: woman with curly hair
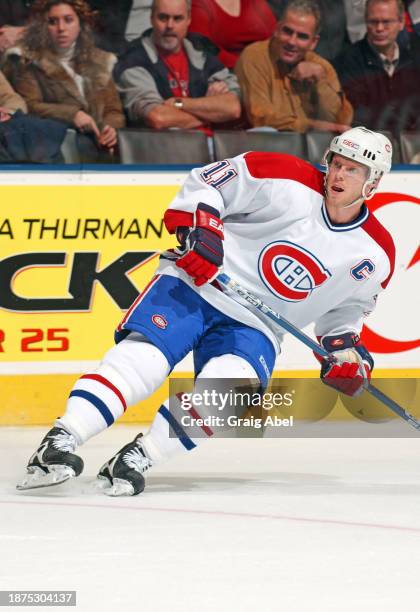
(62, 75)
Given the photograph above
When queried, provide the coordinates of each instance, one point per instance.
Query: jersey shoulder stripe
(382, 237)
(284, 166)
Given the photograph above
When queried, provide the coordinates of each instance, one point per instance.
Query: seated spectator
(232, 24)
(415, 159)
(333, 37)
(13, 18)
(356, 23)
(10, 101)
(61, 75)
(24, 138)
(285, 84)
(120, 22)
(169, 79)
(380, 76)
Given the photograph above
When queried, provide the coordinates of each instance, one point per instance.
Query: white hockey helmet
(371, 149)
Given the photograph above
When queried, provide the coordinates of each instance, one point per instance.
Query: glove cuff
(349, 340)
(208, 218)
(177, 218)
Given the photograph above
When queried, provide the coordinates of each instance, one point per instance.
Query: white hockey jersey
(281, 245)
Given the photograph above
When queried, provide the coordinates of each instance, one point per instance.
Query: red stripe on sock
(108, 384)
(209, 432)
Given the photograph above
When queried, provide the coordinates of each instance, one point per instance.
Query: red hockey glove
(201, 246)
(350, 365)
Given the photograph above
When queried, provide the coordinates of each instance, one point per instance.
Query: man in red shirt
(170, 79)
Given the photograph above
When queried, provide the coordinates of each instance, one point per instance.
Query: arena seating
(163, 147)
(190, 147)
(69, 148)
(231, 143)
(317, 143)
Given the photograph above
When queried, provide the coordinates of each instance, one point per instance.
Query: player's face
(345, 181)
(295, 35)
(170, 21)
(383, 25)
(63, 26)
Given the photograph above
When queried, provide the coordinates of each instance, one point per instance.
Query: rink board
(77, 245)
(39, 399)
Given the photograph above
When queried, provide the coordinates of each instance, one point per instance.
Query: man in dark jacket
(379, 76)
(168, 79)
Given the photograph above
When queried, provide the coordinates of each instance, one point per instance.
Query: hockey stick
(258, 304)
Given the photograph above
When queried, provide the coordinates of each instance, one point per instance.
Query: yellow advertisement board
(73, 259)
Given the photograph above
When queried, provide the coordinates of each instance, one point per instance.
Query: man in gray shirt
(168, 79)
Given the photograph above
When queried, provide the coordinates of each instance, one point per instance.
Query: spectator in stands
(10, 101)
(333, 37)
(24, 138)
(356, 24)
(171, 79)
(285, 84)
(120, 22)
(380, 76)
(232, 24)
(61, 75)
(13, 18)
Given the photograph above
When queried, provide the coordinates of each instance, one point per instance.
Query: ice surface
(295, 525)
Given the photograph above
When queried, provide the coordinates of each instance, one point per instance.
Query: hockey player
(303, 242)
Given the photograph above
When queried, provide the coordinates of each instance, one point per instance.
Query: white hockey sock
(167, 437)
(129, 373)
(93, 405)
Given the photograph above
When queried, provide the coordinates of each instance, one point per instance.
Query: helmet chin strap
(358, 200)
(363, 196)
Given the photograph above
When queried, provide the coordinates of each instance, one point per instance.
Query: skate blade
(37, 478)
(120, 488)
(102, 482)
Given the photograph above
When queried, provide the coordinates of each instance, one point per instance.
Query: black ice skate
(123, 473)
(53, 462)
